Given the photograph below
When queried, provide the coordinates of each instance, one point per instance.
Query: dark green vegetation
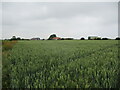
(6, 48)
(52, 36)
(63, 64)
(0, 64)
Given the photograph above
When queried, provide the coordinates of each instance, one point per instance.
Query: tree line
(54, 35)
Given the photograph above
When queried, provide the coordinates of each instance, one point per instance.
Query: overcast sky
(65, 19)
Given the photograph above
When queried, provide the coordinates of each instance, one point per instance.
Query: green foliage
(6, 47)
(94, 38)
(64, 64)
(82, 38)
(14, 38)
(118, 38)
(105, 39)
(52, 36)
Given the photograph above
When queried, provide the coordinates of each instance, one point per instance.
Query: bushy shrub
(104, 38)
(82, 38)
(118, 38)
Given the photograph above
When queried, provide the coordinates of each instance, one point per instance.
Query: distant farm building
(94, 38)
(56, 38)
(35, 38)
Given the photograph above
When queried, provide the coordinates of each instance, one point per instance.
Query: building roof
(35, 38)
(56, 38)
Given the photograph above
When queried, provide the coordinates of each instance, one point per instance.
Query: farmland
(63, 64)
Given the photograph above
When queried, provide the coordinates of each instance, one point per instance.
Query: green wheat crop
(64, 64)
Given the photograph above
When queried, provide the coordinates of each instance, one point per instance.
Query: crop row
(64, 64)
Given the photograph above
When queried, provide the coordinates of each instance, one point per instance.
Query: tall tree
(13, 38)
(52, 36)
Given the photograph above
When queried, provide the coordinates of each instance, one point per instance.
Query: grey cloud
(0, 20)
(66, 19)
